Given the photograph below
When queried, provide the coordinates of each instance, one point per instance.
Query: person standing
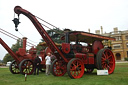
(37, 62)
(53, 57)
(48, 63)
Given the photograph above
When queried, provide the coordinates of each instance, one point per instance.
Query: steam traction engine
(23, 60)
(80, 51)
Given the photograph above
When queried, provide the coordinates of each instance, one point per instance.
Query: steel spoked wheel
(14, 69)
(105, 60)
(26, 67)
(75, 68)
(58, 68)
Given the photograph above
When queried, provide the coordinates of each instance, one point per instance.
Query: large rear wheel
(75, 68)
(105, 60)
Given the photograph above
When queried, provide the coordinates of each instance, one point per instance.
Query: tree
(56, 34)
(1, 61)
(14, 48)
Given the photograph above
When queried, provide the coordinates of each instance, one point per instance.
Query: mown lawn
(119, 77)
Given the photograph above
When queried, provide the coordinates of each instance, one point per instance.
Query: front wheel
(105, 60)
(14, 69)
(75, 68)
(26, 67)
(58, 68)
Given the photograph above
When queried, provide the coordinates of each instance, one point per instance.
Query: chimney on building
(97, 31)
(115, 30)
(89, 30)
(101, 30)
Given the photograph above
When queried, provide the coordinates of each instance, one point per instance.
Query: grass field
(119, 77)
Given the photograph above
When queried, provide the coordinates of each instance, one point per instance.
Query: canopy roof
(86, 37)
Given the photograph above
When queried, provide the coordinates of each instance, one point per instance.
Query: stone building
(120, 45)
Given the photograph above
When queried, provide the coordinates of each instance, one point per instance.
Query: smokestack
(24, 42)
(101, 30)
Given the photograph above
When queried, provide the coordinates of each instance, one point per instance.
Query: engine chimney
(24, 42)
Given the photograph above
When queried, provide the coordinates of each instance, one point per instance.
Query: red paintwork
(42, 31)
(21, 54)
(90, 58)
(86, 37)
(24, 42)
(107, 55)
(9, 50)
(83, 55)
(66, 47)
(97, 45)
(59, 68)
(76, 69)
(47, 50)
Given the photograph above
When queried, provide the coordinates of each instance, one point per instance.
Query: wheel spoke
(74, 65)
(103, 59)
(110, 56)
(72, 68)
(104, 66)
(104, 56)
(109, 68)
(103, 63)
(106, 53)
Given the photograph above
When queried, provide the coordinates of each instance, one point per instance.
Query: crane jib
(18, 10)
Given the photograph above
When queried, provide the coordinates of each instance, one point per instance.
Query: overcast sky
(77, 15)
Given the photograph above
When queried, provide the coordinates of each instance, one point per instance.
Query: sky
(79, 15)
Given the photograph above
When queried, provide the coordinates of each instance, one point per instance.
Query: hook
(16, 22)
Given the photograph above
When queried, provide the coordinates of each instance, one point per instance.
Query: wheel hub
(107, 61)
(77, 68)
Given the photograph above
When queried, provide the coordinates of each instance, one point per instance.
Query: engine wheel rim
(108, 61)
(76, 69)
(58, 68)
(27, 67)
(14, 68)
